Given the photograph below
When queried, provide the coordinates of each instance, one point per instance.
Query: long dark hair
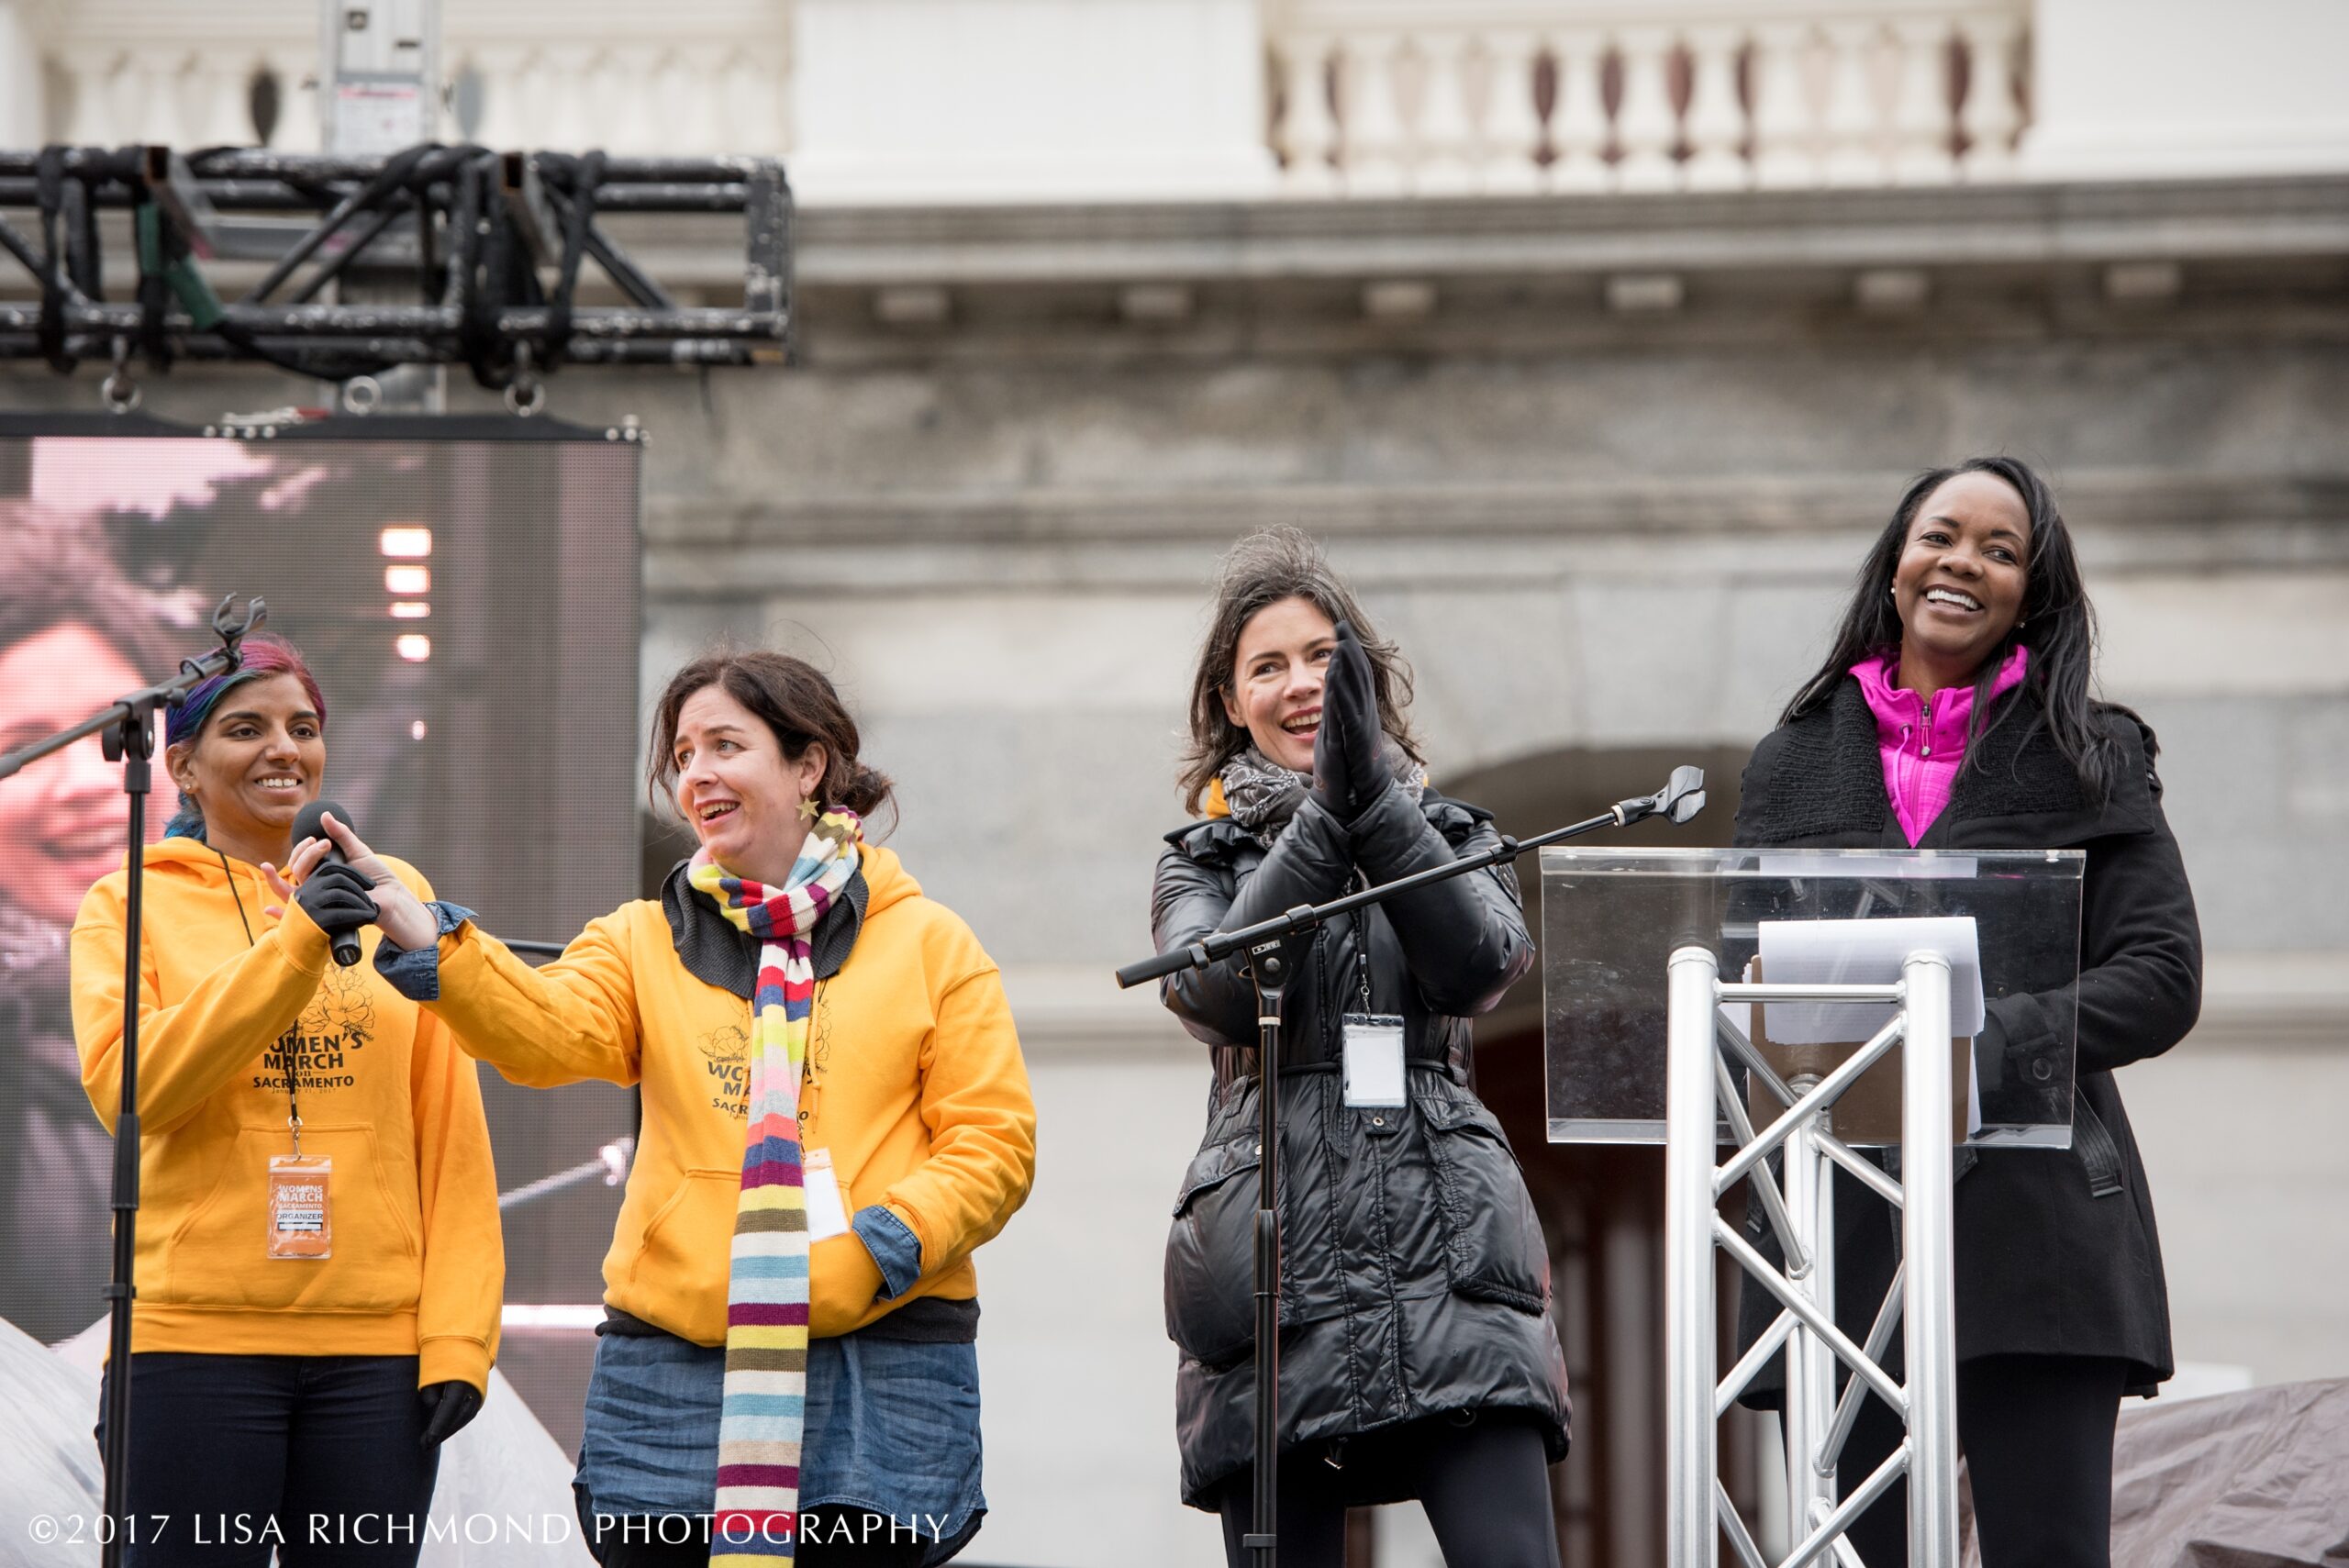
(2057, 624)
(795, 701)
(1262, 570)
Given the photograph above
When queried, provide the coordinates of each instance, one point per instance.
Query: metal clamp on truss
(1701, 1092)
(493, 242)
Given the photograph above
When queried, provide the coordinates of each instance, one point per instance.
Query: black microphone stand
(127, 730)
(1266, 945)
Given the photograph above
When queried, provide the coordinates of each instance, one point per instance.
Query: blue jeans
(892, 1429)
(317, 1457)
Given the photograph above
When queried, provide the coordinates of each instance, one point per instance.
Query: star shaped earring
(807, 809)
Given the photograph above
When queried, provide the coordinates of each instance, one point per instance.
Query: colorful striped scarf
(766, 1404)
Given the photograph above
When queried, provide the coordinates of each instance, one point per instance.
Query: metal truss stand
(1699, 1093)
(493, 244)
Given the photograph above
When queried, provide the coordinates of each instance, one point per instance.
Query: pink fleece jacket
(1922, 743)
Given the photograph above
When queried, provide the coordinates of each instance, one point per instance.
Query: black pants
(2037, 1431)
(833, 1537)
(1483, 1479)
(317, 1457)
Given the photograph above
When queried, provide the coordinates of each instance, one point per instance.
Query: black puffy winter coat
(1415, 1279)
(2055, 1249)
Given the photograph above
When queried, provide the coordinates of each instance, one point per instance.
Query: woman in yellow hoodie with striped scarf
(318, 1264)
(836, 1117)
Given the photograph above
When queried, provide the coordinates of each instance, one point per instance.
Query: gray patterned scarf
(1262, 795)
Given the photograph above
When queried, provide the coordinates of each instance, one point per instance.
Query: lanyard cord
(293, 1104)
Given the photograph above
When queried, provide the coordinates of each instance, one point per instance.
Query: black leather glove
(337, 899)
(1348, 772)
(448, 1407)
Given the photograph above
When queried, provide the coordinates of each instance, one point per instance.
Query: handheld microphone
(308, 825)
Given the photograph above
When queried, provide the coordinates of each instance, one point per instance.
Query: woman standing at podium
(1417, 1358)
(1955, 713)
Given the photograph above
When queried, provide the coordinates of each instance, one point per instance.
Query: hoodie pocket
(219, 1255)
(1495, 1247)
(687, 1244)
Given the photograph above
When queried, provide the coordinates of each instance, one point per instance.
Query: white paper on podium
(1865, 952)
(1868, 952)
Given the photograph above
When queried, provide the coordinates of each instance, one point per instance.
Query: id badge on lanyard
(827, 1210)
(1373, 1065)
(301, 1206)
(1374, 1062)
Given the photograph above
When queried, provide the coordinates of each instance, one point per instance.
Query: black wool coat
(1415, 1279)
(2056, 1251)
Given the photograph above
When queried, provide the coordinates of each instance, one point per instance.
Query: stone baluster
(1369, 128)
(622, 119)
(1990, 117)
(766, 78)
(119, 95)
(298, 97)
(1645, 126)
(1409, 89)
(518, 107)
(1714, 126)
(1578, 123)
(1785, 125)
(204, 85)
(691, 93)
(502, 69)
(233, 107)
(1510, 132)
(1848, 122)
(145, 98)
(1454, 95)
(1921, 114)
(569, 123)
(1308, 133)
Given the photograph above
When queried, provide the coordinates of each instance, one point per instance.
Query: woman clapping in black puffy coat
(1418, 1356)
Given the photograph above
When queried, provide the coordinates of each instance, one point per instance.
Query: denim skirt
(892, 1426)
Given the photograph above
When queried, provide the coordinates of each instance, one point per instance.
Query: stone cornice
(2009, 225)
(2195, 522)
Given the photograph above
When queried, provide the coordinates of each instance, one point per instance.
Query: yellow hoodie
(418, 1263)
(915, 1084)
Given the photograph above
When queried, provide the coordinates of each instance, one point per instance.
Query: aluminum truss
(494, 241)
(1699, 1093)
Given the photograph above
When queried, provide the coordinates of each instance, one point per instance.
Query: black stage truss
(492, 242)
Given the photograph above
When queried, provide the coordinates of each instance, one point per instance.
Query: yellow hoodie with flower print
(915, 1086)
(233, 1001)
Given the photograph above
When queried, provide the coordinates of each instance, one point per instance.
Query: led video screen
(470, 607)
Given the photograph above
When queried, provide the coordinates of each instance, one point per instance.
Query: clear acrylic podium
(1693, 996)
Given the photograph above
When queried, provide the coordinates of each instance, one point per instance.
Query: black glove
(1348, 773)
(337, 899)
(448, 1407)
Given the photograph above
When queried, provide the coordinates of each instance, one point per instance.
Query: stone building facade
(1603, 461)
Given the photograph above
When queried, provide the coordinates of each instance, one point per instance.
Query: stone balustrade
(1368, 97)
(709, 77)
(1403, 96)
